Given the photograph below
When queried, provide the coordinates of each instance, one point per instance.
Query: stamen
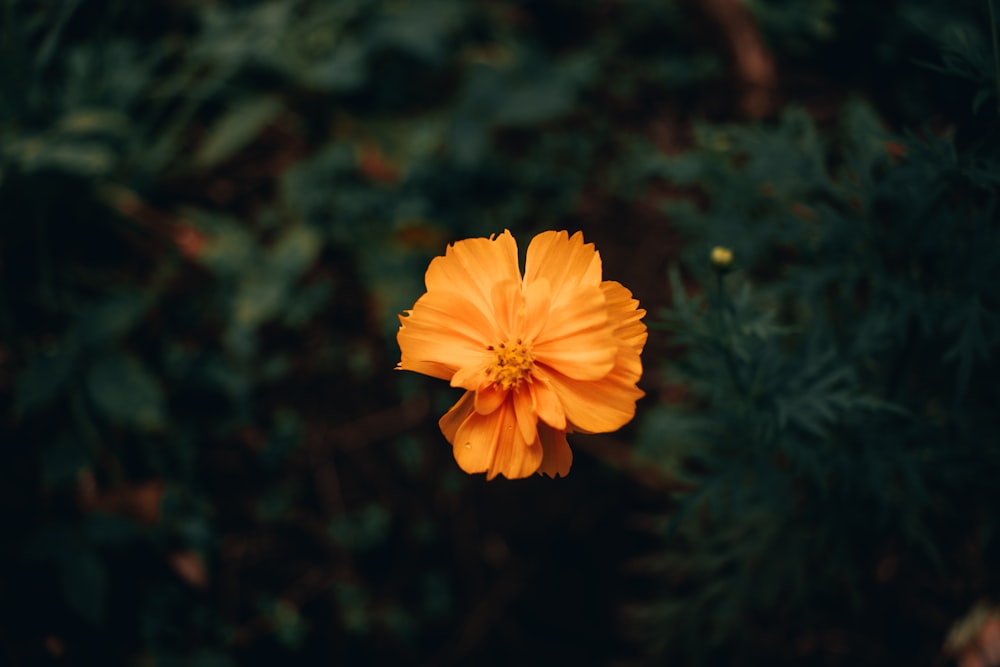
(512, 365)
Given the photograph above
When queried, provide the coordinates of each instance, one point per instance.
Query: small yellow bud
(721, 257)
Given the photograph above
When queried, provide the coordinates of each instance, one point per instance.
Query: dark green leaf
(127, 393)
(237, 127)
(47, 374)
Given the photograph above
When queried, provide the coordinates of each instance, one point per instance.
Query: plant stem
(723, 320)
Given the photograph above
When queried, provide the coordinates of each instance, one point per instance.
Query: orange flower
(545, 354)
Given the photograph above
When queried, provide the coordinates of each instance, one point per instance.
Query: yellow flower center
(512, 364)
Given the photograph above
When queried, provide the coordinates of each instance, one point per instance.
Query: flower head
(539, 355)
(721, 257)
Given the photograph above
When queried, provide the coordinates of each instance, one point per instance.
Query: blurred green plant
(211, 214)
(839, 411)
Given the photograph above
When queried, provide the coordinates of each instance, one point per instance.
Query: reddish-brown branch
(753, 63)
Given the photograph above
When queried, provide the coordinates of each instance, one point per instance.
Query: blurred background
(211, 214)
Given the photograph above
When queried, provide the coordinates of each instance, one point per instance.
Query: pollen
(511, 365)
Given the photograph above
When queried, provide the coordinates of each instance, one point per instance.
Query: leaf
(260, 297)
(86, 158)
(972, 341)
(94, 122)
(127, 393)
(289, 626)
(237, 128)
(107, 321)
(343, 70)
(295, 251)
(306, 302)
(420, 29)
(46, 375)
(981, 98)
(532, 102)
(229, 248)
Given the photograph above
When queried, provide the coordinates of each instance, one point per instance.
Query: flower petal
(452, 310)
(492, 443)
(597, 406)
(473, 375)
(557, 457)
(577, 340)
(626, 316)
(473, 266)
(546, 404)
(428, 350)
(489, 397)
(431, 368)
(458, 413)
(524, 412)
(566, 262)
(446, 330)
(508, 309)
(537, 306)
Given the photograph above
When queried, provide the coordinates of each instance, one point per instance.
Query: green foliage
(211, 215)
(843, 374)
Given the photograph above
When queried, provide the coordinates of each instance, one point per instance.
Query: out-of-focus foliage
(838, 433)
(211, 212)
